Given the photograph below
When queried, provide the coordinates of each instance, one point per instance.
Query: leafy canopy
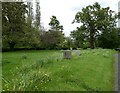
(55, 24)
(95, 20)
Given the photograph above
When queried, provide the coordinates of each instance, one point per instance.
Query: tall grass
(40, 71)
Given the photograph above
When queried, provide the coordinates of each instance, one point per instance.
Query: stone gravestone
(67, 54)
(78, 53)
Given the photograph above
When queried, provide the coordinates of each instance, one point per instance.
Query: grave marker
(78, 53)
(67, 54)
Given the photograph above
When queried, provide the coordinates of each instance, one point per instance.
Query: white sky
(65, 11)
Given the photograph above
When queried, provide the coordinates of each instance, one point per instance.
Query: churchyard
(48, 70)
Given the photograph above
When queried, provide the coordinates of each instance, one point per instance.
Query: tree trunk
(92, 39)
(11, 45)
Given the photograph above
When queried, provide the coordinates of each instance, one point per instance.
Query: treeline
(21, 28)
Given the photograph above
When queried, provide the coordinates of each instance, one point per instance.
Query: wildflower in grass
(17, 68)
(47, 80)
(16, 79)
(19, 87)
(47, 75)
(36, 87)
(13, 87)
(39, 71)
(31, 81)
(20, 82)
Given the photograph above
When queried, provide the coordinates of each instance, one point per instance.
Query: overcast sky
(65, 11)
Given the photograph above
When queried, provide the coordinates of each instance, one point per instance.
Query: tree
(38, 16)
(53, 38)
(57, 31)
(31, 37)
(110, 38)
(13, 18)
(95, 20)
(30, 16)
(80, 37)
(55, 24)
(68, 43)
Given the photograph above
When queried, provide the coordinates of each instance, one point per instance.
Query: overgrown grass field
(46, 70)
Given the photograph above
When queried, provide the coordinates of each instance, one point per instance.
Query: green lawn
(48, 71)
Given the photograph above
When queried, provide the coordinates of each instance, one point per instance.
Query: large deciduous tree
(80, 37)
(95, 20)
(13, 21)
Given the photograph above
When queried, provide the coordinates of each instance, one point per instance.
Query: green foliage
(110, 38)
(80, 37)
(38, 16)
(95, 20)
(13, 18)
(22, 31)
(30, 15)
(68, 43)
(18, 28)
(31, 38)
(52, 39)
(20, 83)
(55, 24)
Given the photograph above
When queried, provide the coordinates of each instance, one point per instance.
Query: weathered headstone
(78, 53)
(67, 54)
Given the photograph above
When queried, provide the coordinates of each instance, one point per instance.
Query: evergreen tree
(38, 16)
